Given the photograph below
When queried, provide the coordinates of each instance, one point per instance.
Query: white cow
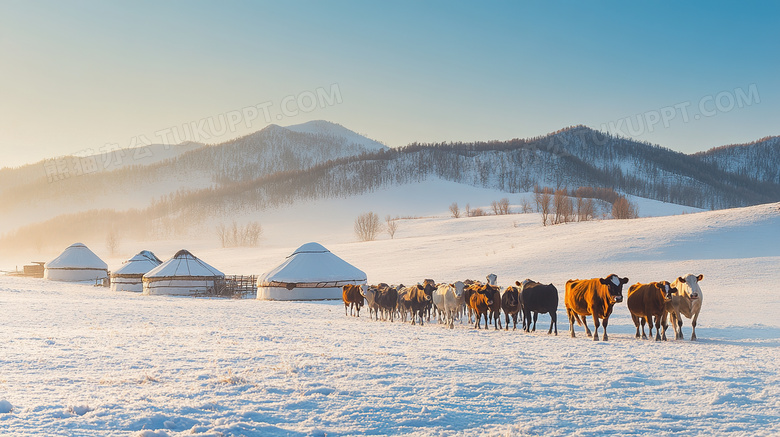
(448, 298)
(369, 292)
(687, 302)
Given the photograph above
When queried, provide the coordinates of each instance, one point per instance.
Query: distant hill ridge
(281, 165)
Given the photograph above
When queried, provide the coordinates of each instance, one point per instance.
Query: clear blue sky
(84, 75)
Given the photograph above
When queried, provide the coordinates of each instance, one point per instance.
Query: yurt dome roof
(186, 265)
(77, 256)
(139, 264)
(313, 263)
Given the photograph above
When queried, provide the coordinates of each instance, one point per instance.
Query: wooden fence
(236, 286)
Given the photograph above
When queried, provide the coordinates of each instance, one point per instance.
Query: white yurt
(312, 272)
(129, 277)
(184, 274)
(76, 263)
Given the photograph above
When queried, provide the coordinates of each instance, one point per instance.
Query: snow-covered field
(80, 360)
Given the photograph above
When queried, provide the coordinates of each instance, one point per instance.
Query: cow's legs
(680, 335)
(636, 324)
(553, 322)
(536, 316)
(596, 328)
(673, 316)
(605, 323)
(693, 326)
(569, 313)
(642, 323)
(585, 324)
(664, 325)
(658, 329)
(506, 315)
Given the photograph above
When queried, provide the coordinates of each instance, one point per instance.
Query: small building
(129, 277)
(312, 272)
(184, 275)
(75, 264)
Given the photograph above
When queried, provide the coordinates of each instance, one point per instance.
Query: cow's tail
(577, 318)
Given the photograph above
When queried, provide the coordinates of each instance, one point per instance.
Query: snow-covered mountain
(317, 161)
(759, 160)
(324, 128)
(44, 191)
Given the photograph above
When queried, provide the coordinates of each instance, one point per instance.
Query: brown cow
(415, 300)
(353, 299)
(480, 301)
(593, 297)
(470, 286)
(387, 300)
(647, 303)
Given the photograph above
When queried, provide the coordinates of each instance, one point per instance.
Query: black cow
(510, 303)
(538, 298)
(429, 286)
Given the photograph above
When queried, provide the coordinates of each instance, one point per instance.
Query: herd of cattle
(653, 304)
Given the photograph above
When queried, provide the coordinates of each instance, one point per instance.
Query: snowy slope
(79, 360)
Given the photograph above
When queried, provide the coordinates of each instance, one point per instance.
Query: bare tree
(252, 231)
(367, 226)
(543, 199)
(562, 206)
(478, 212)
(234, 235)
(503, 205)
(525, 206)
(585, 209)
(222, 234)
(455, 210)
(468, 210)
(112, 242)
(500, 207)
(239, 235)
(391, 225)
(624, 209)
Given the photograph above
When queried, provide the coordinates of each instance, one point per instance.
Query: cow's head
(424, 288)
(370, 292)
(428, 286)
(667, 290)
(491, 279)
(490, 291)
(615, 284)
(523, 284)
(690, 286)
(512, 295)
(459, 287)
